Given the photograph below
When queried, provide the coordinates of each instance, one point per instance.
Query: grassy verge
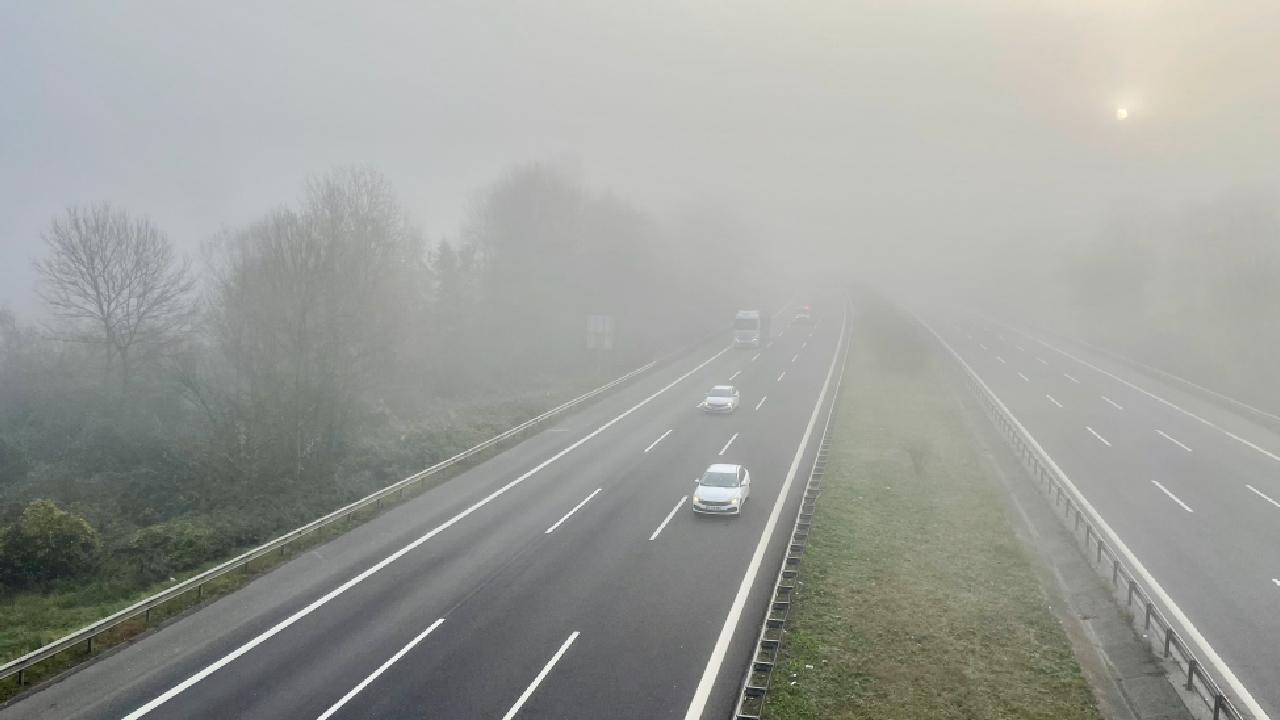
(918, 601)
(29, 620)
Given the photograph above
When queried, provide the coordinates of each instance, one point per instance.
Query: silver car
(721, 399)
(722, 490)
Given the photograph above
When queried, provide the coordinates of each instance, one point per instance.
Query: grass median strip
(917, 599)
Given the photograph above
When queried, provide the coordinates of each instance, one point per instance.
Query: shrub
(167, 548)
(47, 543)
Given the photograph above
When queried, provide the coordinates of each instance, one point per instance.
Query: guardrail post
(199, 591)
(1099, 541)
(88, 646)
(1132, 588)
(1192, 666)
(1146, 625)
(1168, 639)
(1115, 573)
(1218, 703)
(146, 617)
(22, 677)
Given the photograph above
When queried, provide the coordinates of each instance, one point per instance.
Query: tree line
(169, 412)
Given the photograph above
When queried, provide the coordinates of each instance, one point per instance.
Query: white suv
(721, 399)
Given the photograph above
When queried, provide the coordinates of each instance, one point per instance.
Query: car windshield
(720, 393)
(746, 324)
(719, 479)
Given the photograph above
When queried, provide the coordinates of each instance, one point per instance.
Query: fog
(379, 227)
(918, 132)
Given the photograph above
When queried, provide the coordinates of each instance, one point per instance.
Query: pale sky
(909, 130)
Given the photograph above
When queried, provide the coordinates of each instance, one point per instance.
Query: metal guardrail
(769, 640)
(196, 584)
(1163, 637)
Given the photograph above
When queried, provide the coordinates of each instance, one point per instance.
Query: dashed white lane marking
(1172, 497)
(1276, 581)
(661, 437)
(1262, 495)
(766, 397)
(731, 377)
(781, 375)
(542, 675)
(1162, 595)
(1020, 348)
(1095, 434)
(1024, 377)
(667, 519)
(795, 357)
(1165, 435)
(1067, 376)
(712, 669)
(276, 629)
(726, 445)
(983, 346)
(381, 669)
(1235, 683)
(755, 357)
(1002, 362)
(1111, 402)
(1053, 400)
(804, 344)
(575, 509)
(1042, 361)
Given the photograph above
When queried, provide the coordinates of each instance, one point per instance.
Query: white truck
(751, 328)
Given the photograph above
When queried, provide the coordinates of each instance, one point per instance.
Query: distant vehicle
(721, 399)
(803, 316)
(750, 328)
(722, 490)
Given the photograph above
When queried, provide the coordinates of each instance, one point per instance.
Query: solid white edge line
(1053, 400)
(726, 445)
(381, 669)
(542, 675)
(670, 515)
(1189, 628)
(703, 692)
(1172, 497)
(1113, 403)
(324, 599)
(1166, 436)
(1095, 434)
(661, 437)
(766, 397)
(575, 509)
(1262, 495)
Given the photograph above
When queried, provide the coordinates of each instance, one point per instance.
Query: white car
(722, 490)
(721, 399)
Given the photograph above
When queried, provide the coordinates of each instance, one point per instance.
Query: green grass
(918, 601)
(29, 620)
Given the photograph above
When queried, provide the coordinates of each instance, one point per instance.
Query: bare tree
(114, 280)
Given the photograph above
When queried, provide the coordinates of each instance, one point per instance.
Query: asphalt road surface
(1191, 486)
(564, 578)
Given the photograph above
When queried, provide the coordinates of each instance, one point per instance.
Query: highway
(563, 578)
(1189, 485)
